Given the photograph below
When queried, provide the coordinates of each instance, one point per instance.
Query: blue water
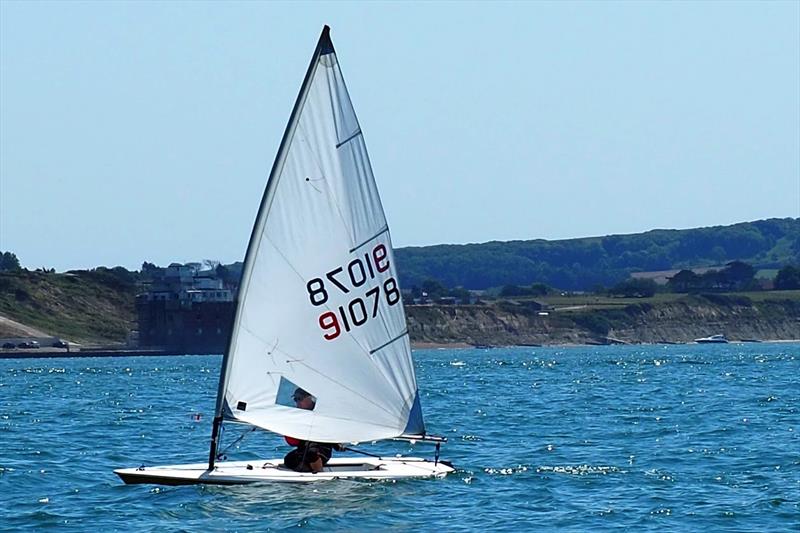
(644, 438)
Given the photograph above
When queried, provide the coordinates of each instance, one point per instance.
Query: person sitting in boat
(307, 456)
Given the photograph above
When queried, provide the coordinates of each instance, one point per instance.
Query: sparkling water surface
(645, 438)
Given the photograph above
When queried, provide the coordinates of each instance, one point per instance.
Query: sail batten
(320, 281)
(382, 231)
(353, 136)
(387, 343)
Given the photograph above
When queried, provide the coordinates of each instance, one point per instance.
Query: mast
(324, 46)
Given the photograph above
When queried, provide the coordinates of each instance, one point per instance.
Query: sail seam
(330, 192)
(381, 232)
(332, 102)
(353, 136)
(267, 238)
(314, 154)
(384, 345)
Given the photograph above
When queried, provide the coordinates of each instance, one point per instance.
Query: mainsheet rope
(221, 455)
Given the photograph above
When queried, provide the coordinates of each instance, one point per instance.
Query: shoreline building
(188, 310)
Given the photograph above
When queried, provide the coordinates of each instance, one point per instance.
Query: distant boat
(713, 339)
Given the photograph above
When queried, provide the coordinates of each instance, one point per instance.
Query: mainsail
(319, 305)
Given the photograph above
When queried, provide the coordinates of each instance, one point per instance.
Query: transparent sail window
(292, 395)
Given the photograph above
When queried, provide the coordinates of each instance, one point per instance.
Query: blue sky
(133, 131)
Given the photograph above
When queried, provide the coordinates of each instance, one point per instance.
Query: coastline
(132, 352)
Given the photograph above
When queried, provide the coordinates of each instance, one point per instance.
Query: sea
(638, 438)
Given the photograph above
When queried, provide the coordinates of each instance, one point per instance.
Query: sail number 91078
(356, 312)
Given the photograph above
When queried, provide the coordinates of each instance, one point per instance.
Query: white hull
(272, 470)
(714, 339)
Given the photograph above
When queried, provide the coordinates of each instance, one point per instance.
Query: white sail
(319, 305)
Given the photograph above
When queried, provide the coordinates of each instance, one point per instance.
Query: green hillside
(581, 264)
(96, 306)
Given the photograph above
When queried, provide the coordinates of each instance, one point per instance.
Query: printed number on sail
(349, 278)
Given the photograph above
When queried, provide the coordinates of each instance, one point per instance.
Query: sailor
(307, 456)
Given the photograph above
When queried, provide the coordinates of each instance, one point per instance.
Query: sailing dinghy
(318, 309)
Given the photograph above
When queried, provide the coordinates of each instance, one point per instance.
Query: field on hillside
(583, 302)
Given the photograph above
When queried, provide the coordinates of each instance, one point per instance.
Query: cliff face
(683, 322)
(98, 307)
(680, 321)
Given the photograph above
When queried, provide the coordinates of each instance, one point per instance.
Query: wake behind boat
(319, 313)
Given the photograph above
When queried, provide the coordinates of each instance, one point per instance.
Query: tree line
(581, 264)
(735, 276)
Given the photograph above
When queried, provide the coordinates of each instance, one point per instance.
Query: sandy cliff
(683, 321)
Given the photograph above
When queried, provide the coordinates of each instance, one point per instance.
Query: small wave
(458, 363)
(659, 474)
(506, 471)
(661, 511)
(579, 470)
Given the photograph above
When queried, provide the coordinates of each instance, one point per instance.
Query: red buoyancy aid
(291, 441)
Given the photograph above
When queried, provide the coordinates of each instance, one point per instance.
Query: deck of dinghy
(245, 472)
